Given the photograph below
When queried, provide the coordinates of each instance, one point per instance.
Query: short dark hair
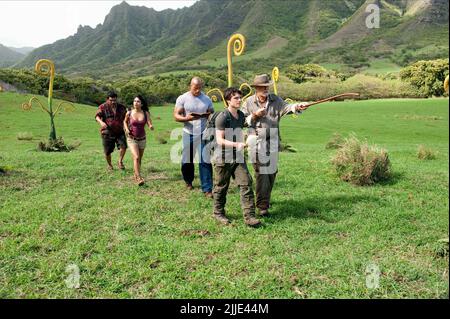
(143, 102)
(230, 92)
(112, 94)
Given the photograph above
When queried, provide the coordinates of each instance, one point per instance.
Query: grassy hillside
(161, 242)
(8, 56)
(139, 41)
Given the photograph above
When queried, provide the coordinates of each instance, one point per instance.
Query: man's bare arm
(179, 116)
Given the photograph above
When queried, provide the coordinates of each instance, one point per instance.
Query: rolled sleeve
(290, 109)
(99, 113)
(249, 121)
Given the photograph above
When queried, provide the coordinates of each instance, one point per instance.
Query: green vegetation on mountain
(427, 76)
(138, 41)
(8, 56)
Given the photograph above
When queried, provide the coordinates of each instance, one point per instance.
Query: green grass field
(382, 66)
(159, 241)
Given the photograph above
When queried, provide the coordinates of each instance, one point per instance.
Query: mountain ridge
(134, 40)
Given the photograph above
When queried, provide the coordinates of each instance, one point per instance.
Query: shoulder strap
(227, 119)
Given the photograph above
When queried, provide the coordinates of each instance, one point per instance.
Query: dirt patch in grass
(415, 117)
(195, 233)
(276, 42)
(157, 177)
(16, 181)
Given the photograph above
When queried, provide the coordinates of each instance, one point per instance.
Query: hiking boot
(252, 221)
(222, 218)
(189, 186)
(264, 213)
(208, 195)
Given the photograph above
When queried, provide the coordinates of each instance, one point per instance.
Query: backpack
(209, 135)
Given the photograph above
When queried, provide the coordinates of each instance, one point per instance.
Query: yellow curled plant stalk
(275, 77)
(213, 93)
(47, 68)
(237, 41)
(446, 84)
(249, 93)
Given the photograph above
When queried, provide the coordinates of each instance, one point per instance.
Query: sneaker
(264, 213)
(208, 195)
(222, 219)
(252, 221)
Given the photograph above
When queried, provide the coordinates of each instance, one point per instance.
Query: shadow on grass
(393, 179)
(327, 208)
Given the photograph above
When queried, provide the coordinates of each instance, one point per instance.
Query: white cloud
(36, 23)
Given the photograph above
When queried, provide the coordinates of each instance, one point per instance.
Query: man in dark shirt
(229, 160)
(110, 115)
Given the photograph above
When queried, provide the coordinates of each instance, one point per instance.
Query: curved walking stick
(324, 100)
(332, 98)
(47, 68)
(238, 42)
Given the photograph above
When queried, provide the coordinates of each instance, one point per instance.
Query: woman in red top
(134, 127)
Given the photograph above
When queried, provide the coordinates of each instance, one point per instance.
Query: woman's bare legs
(136, 159)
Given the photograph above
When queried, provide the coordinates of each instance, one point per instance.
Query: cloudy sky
(35, 23)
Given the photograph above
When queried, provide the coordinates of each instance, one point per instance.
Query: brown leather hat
(262, 80)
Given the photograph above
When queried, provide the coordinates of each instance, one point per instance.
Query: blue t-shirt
(194, 104)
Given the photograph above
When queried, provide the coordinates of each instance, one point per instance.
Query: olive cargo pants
(264, 186)
(222, 175)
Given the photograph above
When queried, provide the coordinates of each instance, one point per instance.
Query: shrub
(303, 72)
(335, 142)
(424, 153)
(369, 87)
(57, 145)
(25, 136)
(427, 76)
(361, 164)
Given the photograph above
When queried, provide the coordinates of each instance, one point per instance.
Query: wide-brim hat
(262, 80)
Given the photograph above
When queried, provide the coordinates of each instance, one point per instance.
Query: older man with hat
(263, 112)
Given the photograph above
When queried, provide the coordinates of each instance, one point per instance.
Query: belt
(137, 138)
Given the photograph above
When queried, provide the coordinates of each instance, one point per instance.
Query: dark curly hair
(143, 102)
(230, 92)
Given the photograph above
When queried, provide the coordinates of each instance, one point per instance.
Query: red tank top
(137, 128)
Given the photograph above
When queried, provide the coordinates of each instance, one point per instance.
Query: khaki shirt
(276, 108)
